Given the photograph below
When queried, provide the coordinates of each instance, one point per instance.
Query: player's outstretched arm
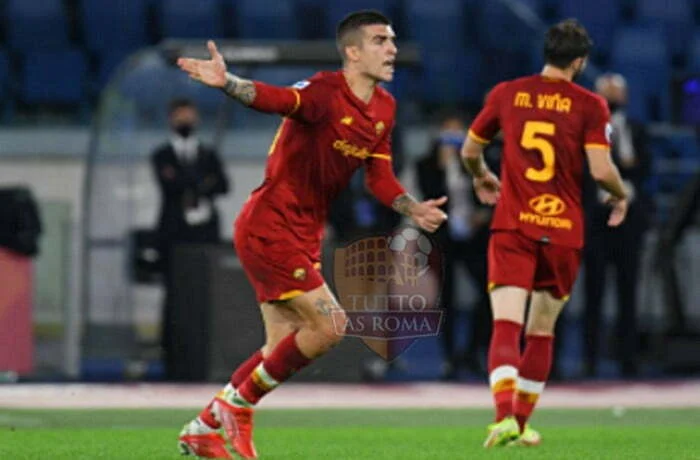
(212, 72)
(486, 184)
(606, 174)
(255, 94)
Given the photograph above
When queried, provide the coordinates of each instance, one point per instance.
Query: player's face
(377, 54)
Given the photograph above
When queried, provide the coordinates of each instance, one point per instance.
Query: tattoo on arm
(239, 88)
(324, 307)
(476, 166)
(403, 204)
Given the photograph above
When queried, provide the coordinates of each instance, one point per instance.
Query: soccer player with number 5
(334, 123)
(550, 126)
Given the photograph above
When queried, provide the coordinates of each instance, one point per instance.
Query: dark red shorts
(515, 260)
(276, 268)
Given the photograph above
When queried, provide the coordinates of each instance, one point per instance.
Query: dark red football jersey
(326, 134)
(546, 125)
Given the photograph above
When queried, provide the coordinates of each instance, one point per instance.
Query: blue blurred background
(68, 118)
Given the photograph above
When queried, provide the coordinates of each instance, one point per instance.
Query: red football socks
(534, 370)
(504, 356)
(283, 362)
(245, 369)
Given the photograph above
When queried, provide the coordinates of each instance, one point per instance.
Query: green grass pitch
(354, 434)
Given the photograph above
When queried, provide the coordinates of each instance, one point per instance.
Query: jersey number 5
(530, 140)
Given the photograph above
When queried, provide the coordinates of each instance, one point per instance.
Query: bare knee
(544, 312)
(330, 329)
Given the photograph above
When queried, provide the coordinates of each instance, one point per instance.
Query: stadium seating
(188, 19)
(500, 28)
(265, 19)
(436, 24)
(335, 11)
(452, 76)
(693, 64)
(643, 43)
(151, 87)
(598, 16)
(676, 18)
(283, 75)
(641, 55)
(536, 6)
(54, 77)
(109, 62)
(4, 74)
(110, 25)
(6, 104)
(640, 38)
(36, 25)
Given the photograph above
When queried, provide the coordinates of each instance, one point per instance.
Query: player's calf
(536, 361)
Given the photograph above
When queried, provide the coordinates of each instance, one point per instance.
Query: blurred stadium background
(84, 89)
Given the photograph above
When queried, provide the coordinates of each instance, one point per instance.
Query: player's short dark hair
(566, 41)
(353, 22)
(180, 103)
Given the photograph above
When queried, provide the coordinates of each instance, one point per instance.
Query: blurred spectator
(190, 177)
(620, 247)
(464, 240)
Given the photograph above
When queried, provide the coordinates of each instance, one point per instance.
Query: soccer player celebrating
(333, 124)
(550, 126)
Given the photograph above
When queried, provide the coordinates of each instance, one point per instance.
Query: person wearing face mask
(464, 241)
(190, 176)
(620, 247)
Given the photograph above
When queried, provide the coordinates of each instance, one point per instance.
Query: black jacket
(182, 187)
(640, 209)
(432, 182)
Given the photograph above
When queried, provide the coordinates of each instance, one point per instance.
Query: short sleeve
(487, 122)
(598, 131)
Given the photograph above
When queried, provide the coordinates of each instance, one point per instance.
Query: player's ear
(352, 53)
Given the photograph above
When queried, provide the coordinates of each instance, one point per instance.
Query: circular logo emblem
(547, 205)
(299, 274)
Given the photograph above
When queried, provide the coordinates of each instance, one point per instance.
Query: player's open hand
(428, 215)
(488, 188)
(619, 211)
(211, 72)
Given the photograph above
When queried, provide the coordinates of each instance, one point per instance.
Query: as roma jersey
(546, 126)
(326, 136)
